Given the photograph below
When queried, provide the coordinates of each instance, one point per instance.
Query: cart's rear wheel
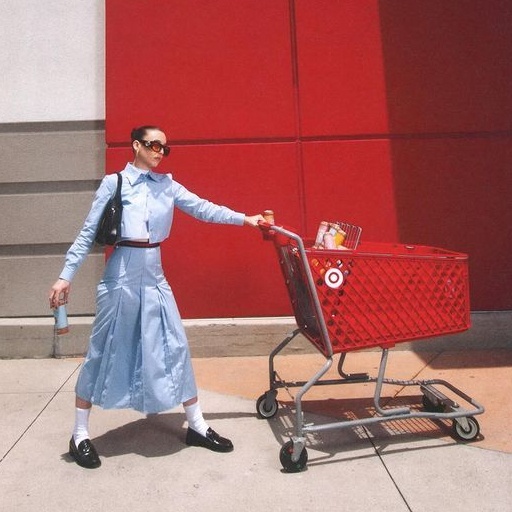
(469, 432)
(285, 456)
(266, 408)
(430, 406)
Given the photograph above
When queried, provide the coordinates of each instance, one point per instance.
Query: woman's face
(145, 157)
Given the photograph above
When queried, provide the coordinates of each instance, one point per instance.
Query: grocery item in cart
(337, 236)
(322, 230)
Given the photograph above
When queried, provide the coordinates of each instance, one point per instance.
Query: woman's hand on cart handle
(253, 220)
(59, 293)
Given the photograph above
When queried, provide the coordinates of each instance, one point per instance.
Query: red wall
(392, 115)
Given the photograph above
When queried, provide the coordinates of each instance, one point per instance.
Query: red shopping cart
(370, 295)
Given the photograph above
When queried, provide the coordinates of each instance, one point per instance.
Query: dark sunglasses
(155, 146)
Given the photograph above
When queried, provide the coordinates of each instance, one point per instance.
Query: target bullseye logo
(333, 278)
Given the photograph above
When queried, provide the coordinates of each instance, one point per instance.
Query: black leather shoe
(212, 441)
(85, 454)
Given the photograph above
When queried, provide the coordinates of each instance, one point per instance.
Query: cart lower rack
(375, 295)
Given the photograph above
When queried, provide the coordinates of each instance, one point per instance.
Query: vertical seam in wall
(298, 119)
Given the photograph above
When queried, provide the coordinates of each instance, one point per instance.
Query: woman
(138, 354)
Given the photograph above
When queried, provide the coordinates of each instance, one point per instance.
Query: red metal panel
(204, 70)
(448, 65)
(341, 76)
(215, 71)
(455, 193)
(226, 271)
(351, 181)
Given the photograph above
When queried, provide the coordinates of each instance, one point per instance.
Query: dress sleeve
(83, 243)
(203, 209)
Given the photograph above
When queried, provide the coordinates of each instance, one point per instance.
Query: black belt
(140, 245)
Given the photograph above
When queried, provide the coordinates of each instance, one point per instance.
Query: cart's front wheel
(285, 456)
(266, 408)
(468, 431)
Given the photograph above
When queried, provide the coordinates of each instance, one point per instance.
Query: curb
(220, 337)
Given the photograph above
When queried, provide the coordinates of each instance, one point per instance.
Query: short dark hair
(140, 132)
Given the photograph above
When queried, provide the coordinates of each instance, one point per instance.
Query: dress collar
(134, 173)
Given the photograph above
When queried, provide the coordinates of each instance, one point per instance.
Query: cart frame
(437, 405)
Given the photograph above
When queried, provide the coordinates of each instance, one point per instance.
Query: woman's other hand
(59, 293)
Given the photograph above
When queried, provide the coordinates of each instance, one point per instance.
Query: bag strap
(118, 190)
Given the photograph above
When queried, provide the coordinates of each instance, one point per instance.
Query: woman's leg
(82, 404)
(195, 416)
(80, 446)
(82, 412)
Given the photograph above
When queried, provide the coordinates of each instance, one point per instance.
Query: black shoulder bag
(109, 226)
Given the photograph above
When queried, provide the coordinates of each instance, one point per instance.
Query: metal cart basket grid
(389, 294)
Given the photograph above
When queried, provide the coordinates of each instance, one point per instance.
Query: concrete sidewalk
(410, 465)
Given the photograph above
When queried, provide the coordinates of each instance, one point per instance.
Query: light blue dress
(138, 355)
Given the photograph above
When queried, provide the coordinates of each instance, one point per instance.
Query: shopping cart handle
(264, 225)
(266, 229)
(279, 233)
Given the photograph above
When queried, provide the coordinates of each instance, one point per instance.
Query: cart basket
(378, 294)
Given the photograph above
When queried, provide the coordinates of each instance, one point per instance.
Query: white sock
(81, 430)
(195, 418)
